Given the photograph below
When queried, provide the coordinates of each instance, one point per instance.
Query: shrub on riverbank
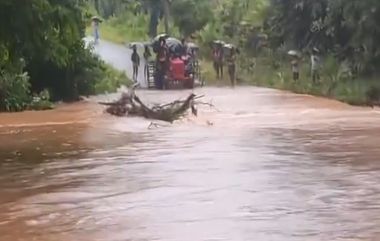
(50, 56)
(16, 94)
(333, 84)
(14, 88)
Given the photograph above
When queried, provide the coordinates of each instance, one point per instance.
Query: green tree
(46, 36)
(349, 29)
(191, 15)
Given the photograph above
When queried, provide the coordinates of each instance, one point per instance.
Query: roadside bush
(41, 101)
(14, 88)
(110, 80)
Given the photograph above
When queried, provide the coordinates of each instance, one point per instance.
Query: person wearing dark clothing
(231, 62)
(147, 55)
(295, 68)
(218, 61)
(162, 63)
(315, 65)
(136, 63)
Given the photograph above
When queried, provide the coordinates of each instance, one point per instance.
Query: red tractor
(182, 70)
(177, 76)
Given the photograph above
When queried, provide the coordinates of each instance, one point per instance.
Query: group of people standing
(219, 58)
(161, 61)
(315, 63)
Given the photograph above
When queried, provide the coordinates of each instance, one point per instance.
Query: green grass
(124, 28)
(111, 80)
(127, 28)
(351, 91)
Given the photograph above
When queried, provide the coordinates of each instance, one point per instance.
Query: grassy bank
(333, 83)
(123, 29)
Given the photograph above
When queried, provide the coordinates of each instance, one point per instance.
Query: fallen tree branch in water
(130, 104)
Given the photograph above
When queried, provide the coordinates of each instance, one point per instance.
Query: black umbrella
(174, 45)
(218, 43)
(156, 41)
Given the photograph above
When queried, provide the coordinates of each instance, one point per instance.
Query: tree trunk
(154, 9)
(166, 8)
(97, 6)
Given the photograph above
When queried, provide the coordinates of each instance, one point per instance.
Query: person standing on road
(295, 68)
(147, 55)
(315, 65)
(231, 62)
(162, 63)
(95, 26)
(136, 63)
(218, 61)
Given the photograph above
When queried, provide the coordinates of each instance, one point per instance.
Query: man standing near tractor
(162, 63)
(231, 61)
(147, 58)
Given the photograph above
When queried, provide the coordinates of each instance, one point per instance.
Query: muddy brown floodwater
(271, 166)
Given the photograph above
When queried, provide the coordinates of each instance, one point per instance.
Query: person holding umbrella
(162, 59)
(231, 62)
(217, 54)
(147, 56)
(315, 65)
(295, 62)
(95, 25)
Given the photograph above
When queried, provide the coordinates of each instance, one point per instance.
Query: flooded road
(273, 166)
(266, 165)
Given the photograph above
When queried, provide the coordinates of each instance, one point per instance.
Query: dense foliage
(41, 47)
(347, 28)
(346, 32)
(191, 16)
(178, 13)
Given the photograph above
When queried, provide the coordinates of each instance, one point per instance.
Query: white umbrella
(96, 18)
(229, 46)
(294, 53)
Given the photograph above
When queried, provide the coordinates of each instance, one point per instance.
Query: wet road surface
(266, 165)
(120, 57)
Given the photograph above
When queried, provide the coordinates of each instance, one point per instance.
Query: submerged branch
(130, 104)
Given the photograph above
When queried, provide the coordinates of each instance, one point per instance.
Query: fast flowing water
(267, 165)
(263, 165)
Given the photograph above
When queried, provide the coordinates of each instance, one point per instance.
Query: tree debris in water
(130, 104)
